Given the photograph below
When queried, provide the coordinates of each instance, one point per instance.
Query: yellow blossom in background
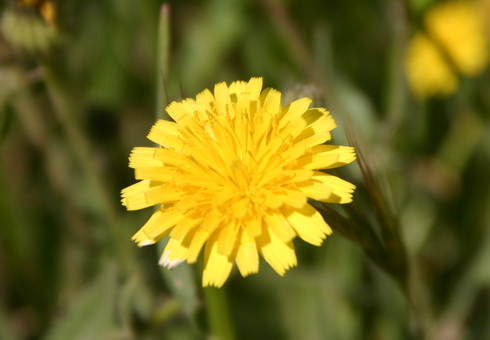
(233, 174)
(456, 42)
(47, 9)
(459, 28)
(427, 71)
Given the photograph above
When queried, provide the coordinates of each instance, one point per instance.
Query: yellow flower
(455, 41)
(233, 175)
(460, 29)
(427, 72)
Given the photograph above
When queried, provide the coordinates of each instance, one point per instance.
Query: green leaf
(92, 314)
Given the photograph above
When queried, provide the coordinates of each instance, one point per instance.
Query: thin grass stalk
(66, 108)
(163, 60)
(299, 48)
(383, 208)
(400, 265)
(357, 232)
(395, 87)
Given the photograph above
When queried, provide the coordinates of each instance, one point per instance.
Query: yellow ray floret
(232, 176)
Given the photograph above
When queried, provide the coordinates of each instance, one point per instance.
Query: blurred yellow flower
(427, 71)
(47, 9)
(459, 28)
(456, 41)
(233, 175)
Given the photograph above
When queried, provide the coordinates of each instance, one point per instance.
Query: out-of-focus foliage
(408, 259)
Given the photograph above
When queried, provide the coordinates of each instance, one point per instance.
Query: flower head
(233, 174)
(427, 72)
(455, 42)
(459, 27)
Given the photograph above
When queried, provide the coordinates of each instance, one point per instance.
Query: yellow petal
(227, 238)
(201, 180)
(279, 255)
(242, 128)
(297, 151)
(184, 227)
(341, 190)
(173, 255)
(247, 257)
(134, 196)
(178, 110)
(269, 175)
(157, 174)
(294, 111)
(271, 101)
(316, 190)
(293, 198)
(217, 267)
(346, 155)
(170, 157)
(253, 226)
(272, 200)
(318, 131)
(157, 226)
(198, 240)
(162, 194)
(269, 150)
(320, 119)
(222, 97)
(166, 134)
(326, 157)
(205, 100)
(316, 161)
(237, 89)
(308, 223)
(279, 226)
(212, 220)
(254, 87)
(143, 157)
(294, 176)
(321, 122)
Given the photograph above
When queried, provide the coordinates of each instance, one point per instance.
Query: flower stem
(163, 58)
(395, 92)
(218, 314)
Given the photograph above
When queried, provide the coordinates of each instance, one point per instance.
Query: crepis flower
(233, 174)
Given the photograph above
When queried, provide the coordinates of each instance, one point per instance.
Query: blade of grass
(66, 111)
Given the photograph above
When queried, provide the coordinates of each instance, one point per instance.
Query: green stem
(300, 50)
(419, 303)
(163, 59)
(220, 321)
(395, 91)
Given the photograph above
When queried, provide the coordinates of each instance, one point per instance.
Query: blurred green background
(80, 88)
